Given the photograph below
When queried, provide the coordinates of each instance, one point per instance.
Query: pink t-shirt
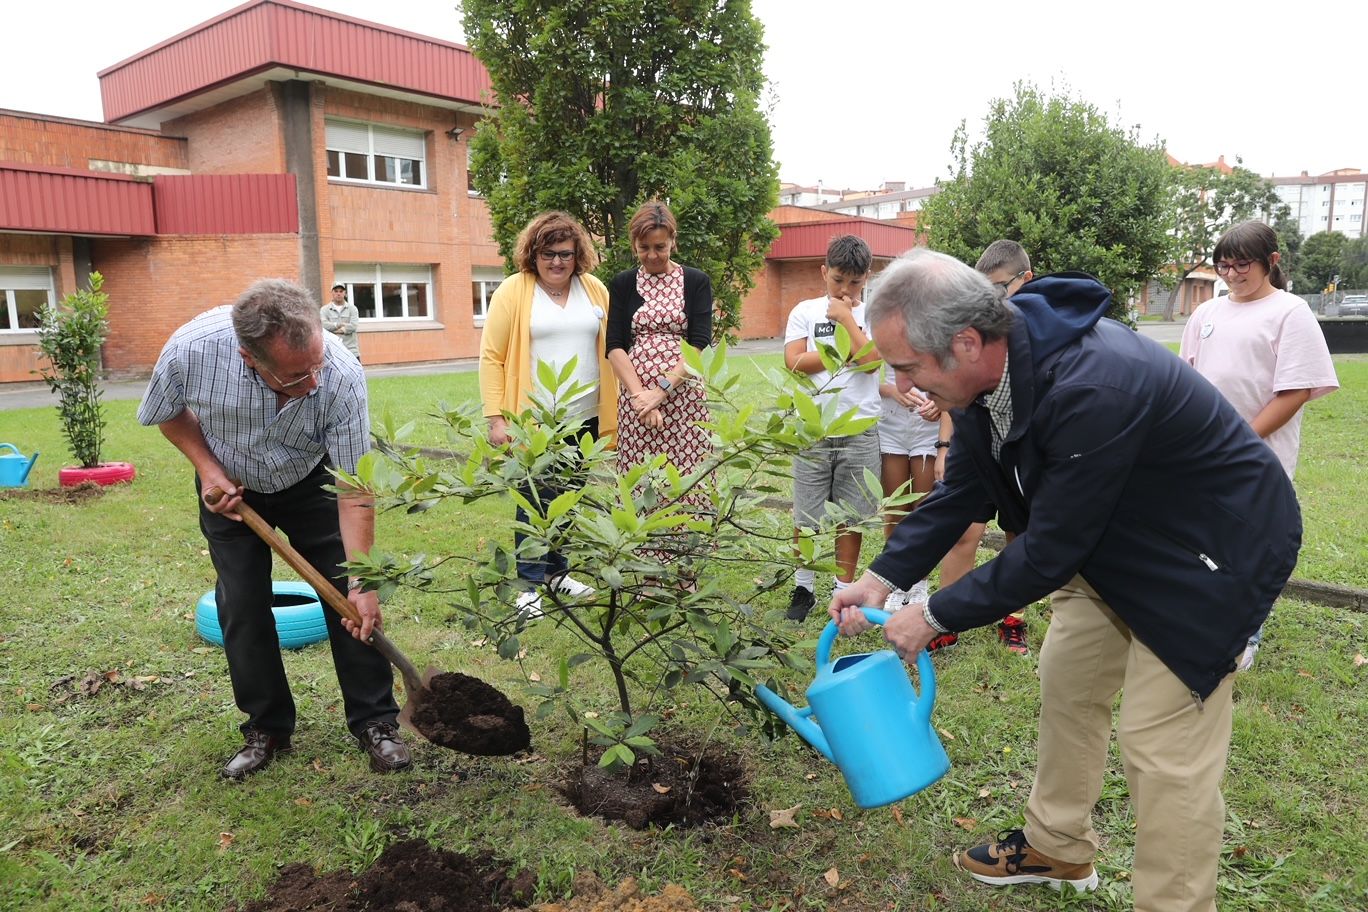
(1254, 350)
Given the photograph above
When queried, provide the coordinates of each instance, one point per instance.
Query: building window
(483, 283)
(25, 292)
(387, 291)
(375, 154)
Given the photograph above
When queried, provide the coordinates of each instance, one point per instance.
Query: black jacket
(1122, 464)
(624, 302)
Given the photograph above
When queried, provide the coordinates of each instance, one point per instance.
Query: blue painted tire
(298, 614)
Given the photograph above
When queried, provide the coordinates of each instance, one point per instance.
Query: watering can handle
(12, 447)
(925, 672)
(828, 637)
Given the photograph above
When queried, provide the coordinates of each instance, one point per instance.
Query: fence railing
(1327, 305)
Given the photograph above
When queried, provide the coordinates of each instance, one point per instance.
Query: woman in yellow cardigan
(553, 309)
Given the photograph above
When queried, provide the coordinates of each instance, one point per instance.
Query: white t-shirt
(1253, 350)
(808, 320)
(561, 333)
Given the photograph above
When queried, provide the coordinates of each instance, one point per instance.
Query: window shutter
(26, 278)
(399, 143)
(390, 272)
(348, 137)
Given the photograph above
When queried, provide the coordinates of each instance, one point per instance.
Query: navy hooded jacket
(1124, 465)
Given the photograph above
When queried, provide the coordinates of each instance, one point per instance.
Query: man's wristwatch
(942, 444)
(664, 383)
(354, 584)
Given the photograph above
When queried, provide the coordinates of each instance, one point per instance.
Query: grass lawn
(109, 799)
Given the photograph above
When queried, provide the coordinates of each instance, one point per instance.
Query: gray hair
(937, 296)
(275, 309)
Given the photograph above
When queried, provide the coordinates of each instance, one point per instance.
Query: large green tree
(1053, 174)
(1288, 229)
(603, 104)
(1208, 202)
(1319, 262)
(1354, 263)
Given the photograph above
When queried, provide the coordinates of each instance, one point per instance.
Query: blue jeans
(553, 563)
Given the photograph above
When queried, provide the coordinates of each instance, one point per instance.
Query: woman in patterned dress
(652, 309)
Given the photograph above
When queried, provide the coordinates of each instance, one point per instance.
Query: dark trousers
(553, 563)
(307, 514)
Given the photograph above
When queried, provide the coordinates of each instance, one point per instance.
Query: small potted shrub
(70, 337)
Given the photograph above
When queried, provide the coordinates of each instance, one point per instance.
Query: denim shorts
(833, 472)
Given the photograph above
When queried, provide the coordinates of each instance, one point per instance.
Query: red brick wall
(19, 356)
(438, 226)
(155, 285)
(239, 136)
(63, 143)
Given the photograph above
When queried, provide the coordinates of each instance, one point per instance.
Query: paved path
(36, 395)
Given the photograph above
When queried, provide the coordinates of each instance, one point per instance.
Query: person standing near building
(1164, 522)
(341, 318)
(264, 405)
(1261, 347)
(833, 470)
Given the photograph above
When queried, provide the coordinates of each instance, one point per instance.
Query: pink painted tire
(106, 473)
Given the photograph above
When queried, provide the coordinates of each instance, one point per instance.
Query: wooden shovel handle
(322, 585)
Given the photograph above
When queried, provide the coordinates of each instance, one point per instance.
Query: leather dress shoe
(255, 755)
(388, 752)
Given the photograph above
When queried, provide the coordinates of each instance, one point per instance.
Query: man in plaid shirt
(263, 403)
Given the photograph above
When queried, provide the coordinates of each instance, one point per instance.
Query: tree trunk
(1173, 295)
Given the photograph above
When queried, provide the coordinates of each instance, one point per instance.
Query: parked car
(1355, 305)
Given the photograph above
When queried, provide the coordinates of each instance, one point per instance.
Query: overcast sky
(866, 91)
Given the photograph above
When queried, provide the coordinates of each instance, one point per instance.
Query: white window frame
(376, 141)
(483, 279)
(377, 275)
(23, 278)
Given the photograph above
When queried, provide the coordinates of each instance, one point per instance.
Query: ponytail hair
(1252, 240)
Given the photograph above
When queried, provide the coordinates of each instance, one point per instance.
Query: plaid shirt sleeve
(165, 395)
(346, 432)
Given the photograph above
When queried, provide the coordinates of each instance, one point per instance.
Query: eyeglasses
(1004, 285)
(1239, 266)
(549, 256)
(314, 373)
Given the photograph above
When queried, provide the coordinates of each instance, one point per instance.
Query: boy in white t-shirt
(834, 470)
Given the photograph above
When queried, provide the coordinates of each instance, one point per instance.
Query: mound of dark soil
(470, 716)
(680, 787)
(409, 877)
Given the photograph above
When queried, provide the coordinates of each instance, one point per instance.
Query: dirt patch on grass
(592, 896)
(409, 876)
(85, 491)
(466, 714)
(683, 786)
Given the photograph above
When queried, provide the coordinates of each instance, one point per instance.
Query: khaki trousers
(1173, 750)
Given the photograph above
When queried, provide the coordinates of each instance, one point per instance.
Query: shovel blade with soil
(449, 709)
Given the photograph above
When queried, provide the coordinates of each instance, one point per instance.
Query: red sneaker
(944, 641)
(1012, 633)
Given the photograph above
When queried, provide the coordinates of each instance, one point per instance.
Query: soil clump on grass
(78, 494)
(684, 786)
(409, 876)
(467, 715)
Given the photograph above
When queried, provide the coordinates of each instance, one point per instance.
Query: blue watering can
(14, 466)
(870, 721)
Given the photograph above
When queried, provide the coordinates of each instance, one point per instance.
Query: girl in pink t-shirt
(1260, 346)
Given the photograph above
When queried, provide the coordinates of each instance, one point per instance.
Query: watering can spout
(797, 719)
(29, 467)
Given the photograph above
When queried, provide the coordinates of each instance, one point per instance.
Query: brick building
(282, 140)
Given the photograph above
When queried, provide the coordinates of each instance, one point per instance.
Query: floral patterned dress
(658, 328)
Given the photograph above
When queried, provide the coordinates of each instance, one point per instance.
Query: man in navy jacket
(1165, 523)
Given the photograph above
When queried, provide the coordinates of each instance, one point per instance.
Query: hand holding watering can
(869, 720)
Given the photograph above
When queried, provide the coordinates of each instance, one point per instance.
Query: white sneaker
(919, 593)
(529, 605)
(1247, 660)
(573, 587)
(896, 599)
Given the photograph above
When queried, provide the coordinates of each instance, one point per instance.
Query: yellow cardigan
(507, 378)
